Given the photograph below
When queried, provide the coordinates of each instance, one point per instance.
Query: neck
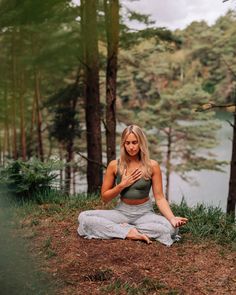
(134, 159)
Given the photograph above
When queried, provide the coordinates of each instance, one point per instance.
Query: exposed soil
(81, 266)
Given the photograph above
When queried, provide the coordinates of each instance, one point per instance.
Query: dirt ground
(81, 266)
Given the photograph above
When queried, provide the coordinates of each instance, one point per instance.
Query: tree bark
(22, 117)
(111, 8)
(13, 105)
(168, 162)
(31, 143)
(231, 201)
(92, 103)
(39, 115)
(6, 149)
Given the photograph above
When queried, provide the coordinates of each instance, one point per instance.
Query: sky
(177, 14)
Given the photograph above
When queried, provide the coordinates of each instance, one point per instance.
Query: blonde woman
(131, 178)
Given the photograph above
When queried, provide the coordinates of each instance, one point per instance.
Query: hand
(178, 221)
(130, 179)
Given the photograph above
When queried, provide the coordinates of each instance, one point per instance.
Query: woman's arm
(109, 191)
(160, 199)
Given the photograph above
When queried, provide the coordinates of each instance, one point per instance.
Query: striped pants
(116, 223)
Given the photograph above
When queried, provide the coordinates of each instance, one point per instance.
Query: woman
(133, 218)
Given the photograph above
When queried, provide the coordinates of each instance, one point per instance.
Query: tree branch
(105, 125)
(207, 106)
(231, 124)
(92, 161)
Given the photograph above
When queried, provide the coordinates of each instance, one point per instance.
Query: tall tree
(92, 97)
(111, 8)
(231, 200)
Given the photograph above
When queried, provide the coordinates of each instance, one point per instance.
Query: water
(212, 188)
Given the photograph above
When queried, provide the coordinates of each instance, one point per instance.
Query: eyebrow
(131, 141)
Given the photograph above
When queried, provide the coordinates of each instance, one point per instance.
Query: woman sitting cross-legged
(131, 177)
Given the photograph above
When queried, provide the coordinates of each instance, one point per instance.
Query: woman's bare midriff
(134, 202)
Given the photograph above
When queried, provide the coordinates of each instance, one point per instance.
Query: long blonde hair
(143, 152)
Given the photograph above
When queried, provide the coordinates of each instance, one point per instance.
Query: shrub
(31, 178)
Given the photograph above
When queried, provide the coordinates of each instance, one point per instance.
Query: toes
(147, 240)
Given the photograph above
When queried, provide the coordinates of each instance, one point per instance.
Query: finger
(183, 218)
(136, 171)
(136, 177)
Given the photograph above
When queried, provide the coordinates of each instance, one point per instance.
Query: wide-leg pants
(116, 223)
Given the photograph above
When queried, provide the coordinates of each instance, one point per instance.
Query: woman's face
(131, 145)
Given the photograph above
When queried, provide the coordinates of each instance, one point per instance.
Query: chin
(133, 154)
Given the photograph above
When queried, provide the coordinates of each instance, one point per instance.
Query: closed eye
(133, 142)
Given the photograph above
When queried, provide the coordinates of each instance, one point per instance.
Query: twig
(105, 125)
(231, 124)
(90, 160)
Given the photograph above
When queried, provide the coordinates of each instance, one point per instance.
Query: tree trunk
(61, 169)
(31, 142)
(22, 119)
(13, 105)
(74, 179)
(92, 105)
(168, 163)
(39, 116)
(111, 8)
(231, 202)
(68, 168)
(6, 150)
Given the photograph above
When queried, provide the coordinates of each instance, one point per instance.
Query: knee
(83, 216)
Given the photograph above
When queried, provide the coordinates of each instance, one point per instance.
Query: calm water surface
(212, 188)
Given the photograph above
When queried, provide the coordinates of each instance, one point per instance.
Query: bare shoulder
(112, 166)
(155, 166)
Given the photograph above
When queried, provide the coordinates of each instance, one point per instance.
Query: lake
(212, 188)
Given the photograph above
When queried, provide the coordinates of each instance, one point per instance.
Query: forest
(72, 74)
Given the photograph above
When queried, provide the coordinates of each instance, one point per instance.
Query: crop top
(138, 190)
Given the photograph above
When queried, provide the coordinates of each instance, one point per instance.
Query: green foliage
(28, 180)
(207, 222)
(62, 105)
(146, 286)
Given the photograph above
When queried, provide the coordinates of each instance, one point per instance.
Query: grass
(205, 222)
(146, 286)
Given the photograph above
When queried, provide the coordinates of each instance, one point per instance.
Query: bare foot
(133, 234)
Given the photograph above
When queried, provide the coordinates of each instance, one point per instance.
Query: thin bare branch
(90, 160)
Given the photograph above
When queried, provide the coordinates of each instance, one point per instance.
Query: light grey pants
(116, 223)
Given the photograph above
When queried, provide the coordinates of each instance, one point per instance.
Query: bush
(29, 179)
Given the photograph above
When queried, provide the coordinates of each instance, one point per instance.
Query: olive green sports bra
(138, 190)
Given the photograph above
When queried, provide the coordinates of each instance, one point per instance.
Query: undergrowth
(205, 222)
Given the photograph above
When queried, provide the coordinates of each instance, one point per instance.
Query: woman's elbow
(103, 197)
